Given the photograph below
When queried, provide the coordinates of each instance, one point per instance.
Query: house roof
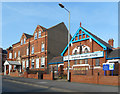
(58, 59)
(100, 40)
(28, 36)
(114, 53)
(60, 26)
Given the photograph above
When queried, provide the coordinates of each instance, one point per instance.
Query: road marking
(52, 88)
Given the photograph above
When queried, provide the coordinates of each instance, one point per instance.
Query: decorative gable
(82, 35)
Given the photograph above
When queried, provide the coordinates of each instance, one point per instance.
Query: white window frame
(35, 37)
(32, 49)
(37, 63)
(23, 64)
(42, 62)
(21, 42)
(42, 47)
(24, 40)
(27, 63)
(27, 51)
(32, 64)
(10, 55)
(39, 34)
(18, 53)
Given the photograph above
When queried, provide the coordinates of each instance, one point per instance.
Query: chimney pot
(111, 42)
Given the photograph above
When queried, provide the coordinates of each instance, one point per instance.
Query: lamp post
(62, 6)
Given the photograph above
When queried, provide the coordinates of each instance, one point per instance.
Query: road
(11, 84)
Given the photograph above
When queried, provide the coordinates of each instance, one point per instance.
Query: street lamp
(62, 6)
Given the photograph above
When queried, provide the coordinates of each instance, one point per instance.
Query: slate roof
(114, 53)
(28, 36)
(100, 40)
(56, 59)
(60, 26)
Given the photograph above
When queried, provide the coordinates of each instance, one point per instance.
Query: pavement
(57, 85)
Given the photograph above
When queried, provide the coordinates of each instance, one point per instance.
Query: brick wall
(14, 74)
(48, 76)
(35, 76)
(105, 80)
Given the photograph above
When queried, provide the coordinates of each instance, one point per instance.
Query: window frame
(97, 59)
(42, 65)
(35, 37)
(42, 47)
(37, 63)
(39, 36)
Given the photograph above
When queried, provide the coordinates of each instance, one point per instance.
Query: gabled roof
(28, 36)
(58, 59)
(114, 54)
(92, 36)
(42, 27)
(100, 40)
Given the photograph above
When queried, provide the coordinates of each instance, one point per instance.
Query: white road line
(52, 88)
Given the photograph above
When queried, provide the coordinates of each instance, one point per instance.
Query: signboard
(84, 56)
(109, 66)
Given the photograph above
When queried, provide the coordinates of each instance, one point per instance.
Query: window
(42, 47)
(75, 52)
(97, 62)
(80, 61)
(10, 55)
(37, 63)
(86, 61)
(15, 55)
(35, 36)
(27, 51)
(39, 34)
(24, 40)
(14, 67)
(23, 64)
(18, 53)
(21, 42)
(75, 62)
(32, 49)
(86, 50)
(32, 64)
(42, 61)
(27, 64)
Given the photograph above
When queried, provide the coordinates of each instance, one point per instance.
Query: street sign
(109, 66)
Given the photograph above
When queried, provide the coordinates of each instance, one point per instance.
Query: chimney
(111, 41)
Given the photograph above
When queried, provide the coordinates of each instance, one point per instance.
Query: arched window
(75, 52)
(86, 50)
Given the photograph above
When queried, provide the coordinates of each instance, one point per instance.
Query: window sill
(97, 67)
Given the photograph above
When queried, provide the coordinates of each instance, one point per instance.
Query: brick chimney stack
(111, 42)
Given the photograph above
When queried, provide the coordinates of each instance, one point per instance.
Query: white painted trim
(60, 64)
(97, 67)
(81, 65)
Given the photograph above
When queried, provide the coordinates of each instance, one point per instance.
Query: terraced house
(34, 51)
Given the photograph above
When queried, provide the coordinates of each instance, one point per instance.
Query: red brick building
(35, 51)
(88, 54)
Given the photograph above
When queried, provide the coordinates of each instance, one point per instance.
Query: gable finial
(80, 24)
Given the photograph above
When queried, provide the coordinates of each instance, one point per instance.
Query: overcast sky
(100, 19)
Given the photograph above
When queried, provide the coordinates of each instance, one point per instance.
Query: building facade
(3, 57)
(89, 53)
(35, 51)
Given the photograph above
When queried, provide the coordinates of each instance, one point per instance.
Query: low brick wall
(48, 76)
(14, 74)
(105, 80)
(35, 76)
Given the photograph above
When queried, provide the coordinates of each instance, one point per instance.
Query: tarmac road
(14, 84)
